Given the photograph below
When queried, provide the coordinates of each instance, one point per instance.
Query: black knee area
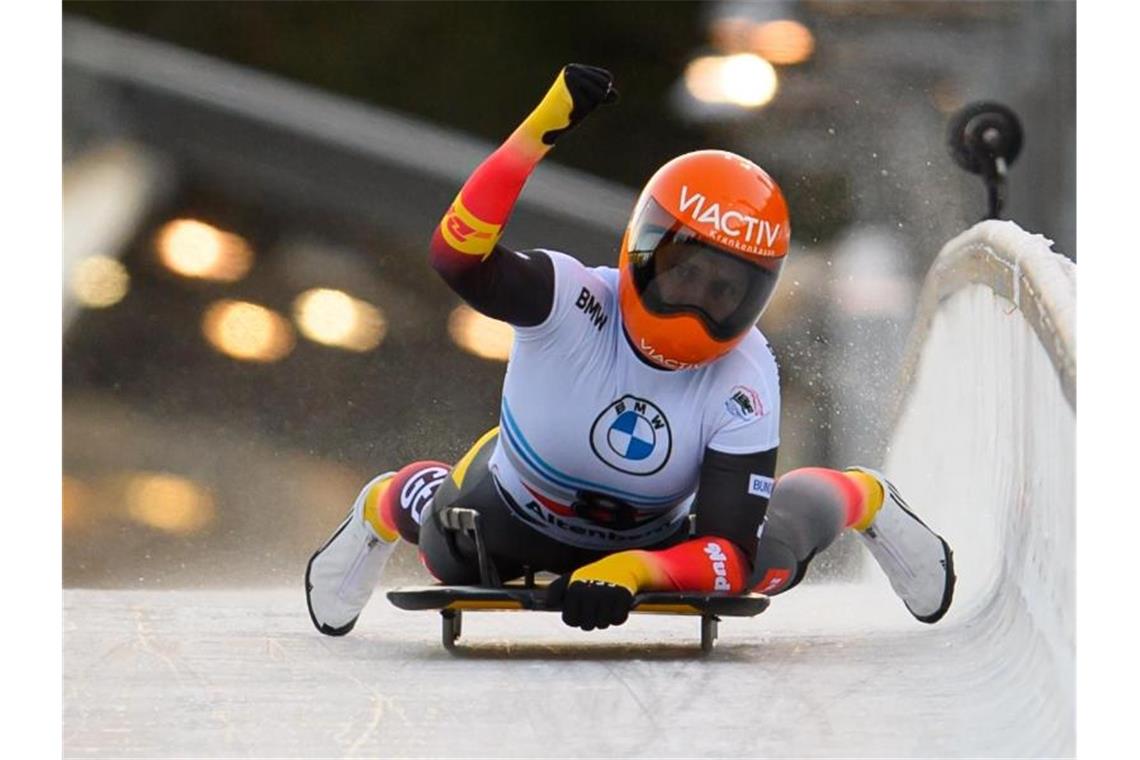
(442, 552)
(449, 555)
(452, 555)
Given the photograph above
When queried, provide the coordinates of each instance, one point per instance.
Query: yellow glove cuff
(629, 569)
(551, 114)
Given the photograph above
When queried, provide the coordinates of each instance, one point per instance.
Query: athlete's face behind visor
(674, 271)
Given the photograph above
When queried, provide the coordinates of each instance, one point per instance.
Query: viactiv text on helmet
(732, 228)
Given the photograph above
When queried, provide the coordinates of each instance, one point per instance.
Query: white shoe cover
(918, 562)
(342, 574)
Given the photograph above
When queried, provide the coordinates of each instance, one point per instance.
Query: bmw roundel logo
(632, 436)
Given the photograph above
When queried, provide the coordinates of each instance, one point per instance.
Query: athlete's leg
(451, 556)
(808, 510)
(810, 507)
(342, 574)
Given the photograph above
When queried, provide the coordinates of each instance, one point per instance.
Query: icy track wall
(984, 447)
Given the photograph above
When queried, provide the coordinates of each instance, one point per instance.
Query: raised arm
(517, 288)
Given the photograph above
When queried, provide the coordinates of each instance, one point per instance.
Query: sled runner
(491, 594)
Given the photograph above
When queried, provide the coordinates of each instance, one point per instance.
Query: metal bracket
(468, 521)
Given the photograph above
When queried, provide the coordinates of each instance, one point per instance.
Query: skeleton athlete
(634, 397)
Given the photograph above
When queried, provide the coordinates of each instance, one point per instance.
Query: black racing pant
(802, 520)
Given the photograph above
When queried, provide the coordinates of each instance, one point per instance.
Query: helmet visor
(675, 272)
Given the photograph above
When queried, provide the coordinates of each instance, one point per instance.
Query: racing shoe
(342, 574)
(918, 562)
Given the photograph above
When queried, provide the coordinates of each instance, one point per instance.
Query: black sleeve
(727, 504)
(516, 287)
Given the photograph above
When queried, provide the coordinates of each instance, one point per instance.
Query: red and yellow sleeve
(702, 564)
(474, 222)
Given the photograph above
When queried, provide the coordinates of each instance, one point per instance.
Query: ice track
(225, 673)
(983, 448)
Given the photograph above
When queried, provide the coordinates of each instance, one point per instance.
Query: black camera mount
(985, 138)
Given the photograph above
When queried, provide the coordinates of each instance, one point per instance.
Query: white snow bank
(984, 448)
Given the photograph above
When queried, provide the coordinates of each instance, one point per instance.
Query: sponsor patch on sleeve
(760, 485)
(744, 403)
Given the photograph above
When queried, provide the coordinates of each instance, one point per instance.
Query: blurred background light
(109, 188)
(742, 79)
(784, 42)
(99, 281)
(946, 96)
(334, 318)
(195, 249)
(729, 34)
(247, 331)
(76, 502)
(168, 502)
(480, 335)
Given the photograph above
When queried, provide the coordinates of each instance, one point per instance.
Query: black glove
(590, 604)
(589, 87)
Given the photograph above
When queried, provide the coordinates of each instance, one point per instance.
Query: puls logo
(740, 228)
(718, 559)
(420, 489)
(632, 436)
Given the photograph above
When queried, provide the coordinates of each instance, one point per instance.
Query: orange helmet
(700, 257)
